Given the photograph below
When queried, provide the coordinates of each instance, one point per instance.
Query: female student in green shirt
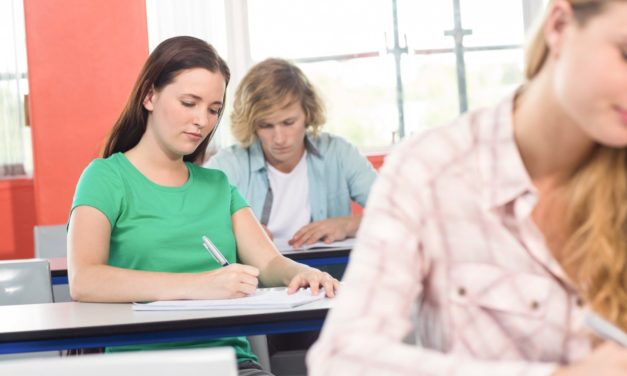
(140, 212)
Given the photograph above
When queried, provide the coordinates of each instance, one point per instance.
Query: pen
(213, 250)
(605, 329)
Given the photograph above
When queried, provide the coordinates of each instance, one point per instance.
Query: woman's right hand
(232, 281)
(609, 359)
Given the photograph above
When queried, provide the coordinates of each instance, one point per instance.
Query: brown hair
(596, 245)
(268, 86)
(167, 60)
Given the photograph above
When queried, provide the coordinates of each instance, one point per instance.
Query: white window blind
(15, 149)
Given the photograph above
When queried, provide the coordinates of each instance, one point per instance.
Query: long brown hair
(596, 199)
(167, 60)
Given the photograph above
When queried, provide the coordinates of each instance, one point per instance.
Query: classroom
(288, 187)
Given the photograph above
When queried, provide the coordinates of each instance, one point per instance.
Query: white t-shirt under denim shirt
(291, 208)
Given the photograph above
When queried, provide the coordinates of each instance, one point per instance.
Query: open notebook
(283, 246)
(265, 298)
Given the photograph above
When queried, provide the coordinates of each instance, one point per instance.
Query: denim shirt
(337, 173)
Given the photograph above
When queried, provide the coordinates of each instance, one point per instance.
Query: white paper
(282, 245)
(268, 298)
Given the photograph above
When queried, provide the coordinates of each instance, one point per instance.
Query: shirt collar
(258, 162)
(310, 145)
(504, 172)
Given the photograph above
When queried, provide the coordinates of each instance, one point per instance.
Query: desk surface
(57, 326)
(312, 257)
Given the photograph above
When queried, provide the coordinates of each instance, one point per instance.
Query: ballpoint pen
(213, 250)
(605, 329)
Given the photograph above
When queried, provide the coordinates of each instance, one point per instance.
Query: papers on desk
(268, 298)
(283, 246)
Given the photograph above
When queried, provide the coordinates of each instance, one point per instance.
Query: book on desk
(263, 298)
(283, 246)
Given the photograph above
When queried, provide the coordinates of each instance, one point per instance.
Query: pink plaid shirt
(448, 226)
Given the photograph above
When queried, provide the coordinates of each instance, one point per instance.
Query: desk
(312, 257)
(59, 326)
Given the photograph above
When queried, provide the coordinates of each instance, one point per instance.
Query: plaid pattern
(449, 226)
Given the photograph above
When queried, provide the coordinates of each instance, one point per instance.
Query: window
(15, 142)
(385, 68)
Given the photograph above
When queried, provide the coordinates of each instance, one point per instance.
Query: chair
(50, 241)
(25, 282)
(214, 361)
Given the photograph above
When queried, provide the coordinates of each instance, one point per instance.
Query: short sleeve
(360, 174)
(100, 186)
(237, 201)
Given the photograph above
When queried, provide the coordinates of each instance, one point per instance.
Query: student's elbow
(80, 289)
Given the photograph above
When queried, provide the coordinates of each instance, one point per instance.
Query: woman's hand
(232, 281)
(328, 231)
(314, 279)
(609, 359)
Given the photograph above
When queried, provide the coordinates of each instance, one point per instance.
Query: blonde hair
(269, 86)
(595, 196)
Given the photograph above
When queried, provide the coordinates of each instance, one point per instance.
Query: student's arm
(327, 230)
(360, 175)
(255, 248)
(92, 280)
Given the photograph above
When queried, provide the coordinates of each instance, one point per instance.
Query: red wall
(83, 57)
(17, 217)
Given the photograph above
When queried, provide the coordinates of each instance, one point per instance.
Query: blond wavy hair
(269, 86)
(596, 200)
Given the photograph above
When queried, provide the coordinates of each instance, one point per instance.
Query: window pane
(493, 22)
(298, 28)
(430, 87)
(424, 23)
(359, 97)
(492, 74)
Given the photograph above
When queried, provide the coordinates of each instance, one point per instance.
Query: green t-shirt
(158, 228)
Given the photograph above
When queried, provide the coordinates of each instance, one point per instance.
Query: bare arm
(256, 249)
(92, 280)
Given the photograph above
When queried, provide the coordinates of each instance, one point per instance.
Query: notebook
(264, 298)
(283, 246)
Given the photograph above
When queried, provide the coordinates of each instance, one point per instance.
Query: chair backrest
(25, 282)
(214, 361)
(50, 241)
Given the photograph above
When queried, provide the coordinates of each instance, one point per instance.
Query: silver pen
(605, 329)
(213, 250)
